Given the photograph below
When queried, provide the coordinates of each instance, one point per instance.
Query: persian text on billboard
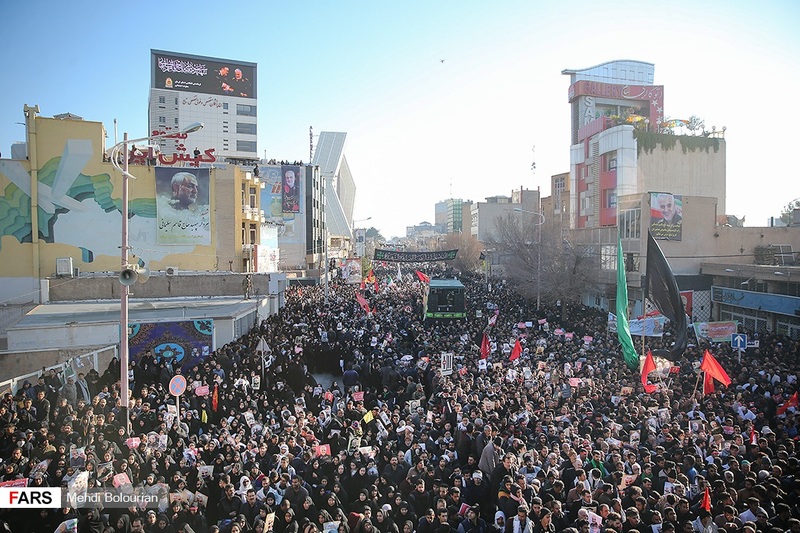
(182, 204)
(203, 75)
(666, 216)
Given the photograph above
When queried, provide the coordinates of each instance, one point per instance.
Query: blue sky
(420, 130)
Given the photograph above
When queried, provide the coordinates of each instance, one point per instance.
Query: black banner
(662, 289)
(413, 257)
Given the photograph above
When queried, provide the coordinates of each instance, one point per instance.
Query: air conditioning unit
(612, 164)
(172, 271)
(64, 266)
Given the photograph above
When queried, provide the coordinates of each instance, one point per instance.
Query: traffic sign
(738, 341)
(177, 385)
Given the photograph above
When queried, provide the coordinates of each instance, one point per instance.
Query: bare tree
(565, 273)
(469, 251)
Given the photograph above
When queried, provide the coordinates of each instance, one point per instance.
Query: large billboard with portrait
(291, 227)
(183, 206)
(666, 216)
(197, 74)
(290, 188)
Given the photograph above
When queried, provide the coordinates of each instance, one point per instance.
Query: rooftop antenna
(451, 186)
(533, 165)
(310, 143)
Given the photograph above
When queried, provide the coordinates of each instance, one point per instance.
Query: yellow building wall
(79, 200)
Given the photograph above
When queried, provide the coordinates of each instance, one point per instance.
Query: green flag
(623, 330)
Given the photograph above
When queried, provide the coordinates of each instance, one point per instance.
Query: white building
(217, 92)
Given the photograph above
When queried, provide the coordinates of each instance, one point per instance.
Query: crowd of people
(561, 439)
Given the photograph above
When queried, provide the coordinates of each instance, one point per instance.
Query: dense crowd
(561, 439)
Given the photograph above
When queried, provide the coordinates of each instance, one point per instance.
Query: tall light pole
(538, 224)
(128, 272)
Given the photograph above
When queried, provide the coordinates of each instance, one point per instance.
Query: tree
(469, 251)
(375, 234)
(786, 213)
(566, 271)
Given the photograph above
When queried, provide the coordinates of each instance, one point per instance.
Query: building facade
(67, 189)
(220, 93)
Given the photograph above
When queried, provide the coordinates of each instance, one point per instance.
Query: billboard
(666, 216)
(267, 254)
(351, 270)
(716, 331)
(290, 224)
(181, 72)
(290, 188)
(183, 206)
(184, 343)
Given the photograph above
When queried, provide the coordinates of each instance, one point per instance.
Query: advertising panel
(203, 74)
(290, 188)
(184, 343)
(666, 216)
(182, 205)
(715, 331)
(290, 224)
(267, 254)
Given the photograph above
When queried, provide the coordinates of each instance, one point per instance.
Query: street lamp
(538, 224)
(130, 273)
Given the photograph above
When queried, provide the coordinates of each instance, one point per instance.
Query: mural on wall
(185, 343)
(79, 212)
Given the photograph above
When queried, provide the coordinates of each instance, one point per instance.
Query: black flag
(662, 290)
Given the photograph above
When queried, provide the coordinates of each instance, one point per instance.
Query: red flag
(493, 318)
(362, 302)
(376, 286)
(708, 384)
(516, 352)
(706, 502)
(215, 398)
(711, 366)
(793, 401)
(485, 346)
(423, 277)
(753, 439)
(648, 366)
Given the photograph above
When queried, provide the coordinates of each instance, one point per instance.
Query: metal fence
(81, 363)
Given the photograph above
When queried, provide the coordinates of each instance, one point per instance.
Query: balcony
(253, 214)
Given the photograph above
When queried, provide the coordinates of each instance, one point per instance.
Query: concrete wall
(158, 286)
(697, 173)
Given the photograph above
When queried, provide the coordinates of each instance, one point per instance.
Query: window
(176, 121)
(162, 99)
(246, 146)
(246, 110)
(176, 100)
(243, 127)
(611, 198)
(608, 257)
(162, 120)
(630, 223)
(224, 105)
